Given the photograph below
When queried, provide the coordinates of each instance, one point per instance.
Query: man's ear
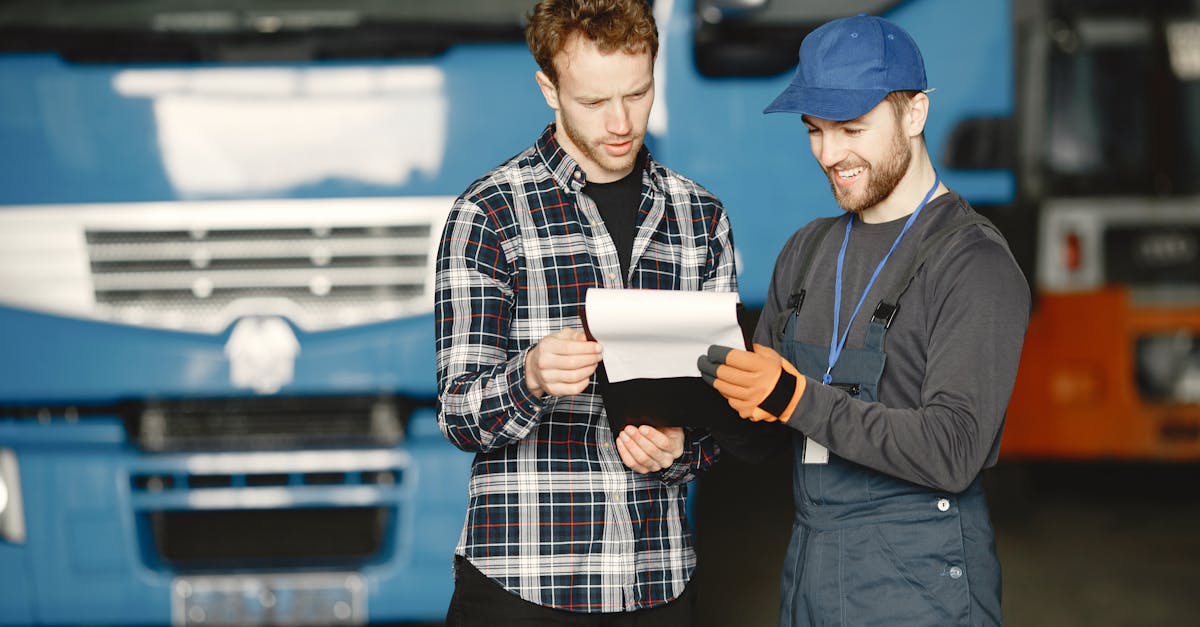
(549, 91)
(917, 114)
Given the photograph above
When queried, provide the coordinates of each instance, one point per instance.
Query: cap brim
(838, 105)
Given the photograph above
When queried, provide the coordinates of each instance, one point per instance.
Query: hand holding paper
(656, 334)
(561, 363)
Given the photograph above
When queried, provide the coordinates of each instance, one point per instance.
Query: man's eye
(854, 132)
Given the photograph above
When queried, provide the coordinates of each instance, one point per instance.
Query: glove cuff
(776, 403)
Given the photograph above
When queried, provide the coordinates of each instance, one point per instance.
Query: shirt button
(955, 572)
(943, 505)
(612, 276)
(578, 175)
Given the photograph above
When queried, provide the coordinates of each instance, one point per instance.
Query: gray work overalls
(868, 548)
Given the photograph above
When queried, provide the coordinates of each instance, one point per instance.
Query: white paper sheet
(656, 334)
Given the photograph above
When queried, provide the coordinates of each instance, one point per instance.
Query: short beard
(884, 179)
(597, 156)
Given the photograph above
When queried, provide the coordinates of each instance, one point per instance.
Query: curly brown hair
(626, 25)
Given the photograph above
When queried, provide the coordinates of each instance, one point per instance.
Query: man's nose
(617, 122)
(830, 151)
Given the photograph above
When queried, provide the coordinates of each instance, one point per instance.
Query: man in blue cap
(891, 524)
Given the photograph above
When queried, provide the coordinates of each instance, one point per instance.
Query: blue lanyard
(836, 344)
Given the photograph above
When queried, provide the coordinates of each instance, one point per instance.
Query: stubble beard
(595, 153)
(883, 179)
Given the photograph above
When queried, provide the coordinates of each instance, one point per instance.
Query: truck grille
(200, 265)
(1153, 255)
(267, 423)
(278, 538)
(347, 274)
(282, 509)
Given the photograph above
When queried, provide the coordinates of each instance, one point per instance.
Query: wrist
(782, 394)
(532, 381)
(802, 383)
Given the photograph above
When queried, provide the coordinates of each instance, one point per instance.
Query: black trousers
(481, 602)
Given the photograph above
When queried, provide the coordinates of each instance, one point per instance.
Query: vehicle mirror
(981, 143)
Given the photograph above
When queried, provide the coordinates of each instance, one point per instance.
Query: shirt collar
(567, 172)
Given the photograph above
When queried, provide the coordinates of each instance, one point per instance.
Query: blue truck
(217, 223)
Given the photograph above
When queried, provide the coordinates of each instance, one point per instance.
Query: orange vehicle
(1108, 160)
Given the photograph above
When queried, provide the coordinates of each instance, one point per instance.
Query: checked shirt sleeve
(699, 453)
(483, 400)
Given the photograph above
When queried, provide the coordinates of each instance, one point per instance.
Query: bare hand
(649, 449)
(561, 364)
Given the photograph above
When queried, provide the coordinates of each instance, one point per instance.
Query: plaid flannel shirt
(554, 515)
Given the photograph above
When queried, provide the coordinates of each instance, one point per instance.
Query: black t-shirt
(618, 203)
(668, 400)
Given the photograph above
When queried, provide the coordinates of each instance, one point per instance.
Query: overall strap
(796, 298)
(885, 312)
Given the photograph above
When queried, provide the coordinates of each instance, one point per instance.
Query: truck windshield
(1124, 106)
(232, 30)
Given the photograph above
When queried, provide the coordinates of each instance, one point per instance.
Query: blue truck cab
(217, 229)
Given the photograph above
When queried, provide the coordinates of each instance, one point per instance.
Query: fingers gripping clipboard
(655, 325)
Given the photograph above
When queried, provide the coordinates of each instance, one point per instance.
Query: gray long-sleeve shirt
(952, 350)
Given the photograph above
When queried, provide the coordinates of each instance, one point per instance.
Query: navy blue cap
(849, 65)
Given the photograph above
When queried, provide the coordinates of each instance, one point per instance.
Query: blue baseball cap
(849, 65)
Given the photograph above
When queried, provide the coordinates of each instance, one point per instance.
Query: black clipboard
(669, 402)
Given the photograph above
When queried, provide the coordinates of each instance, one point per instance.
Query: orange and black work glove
(759, 385)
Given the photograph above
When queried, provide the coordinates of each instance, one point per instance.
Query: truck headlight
(12, 510)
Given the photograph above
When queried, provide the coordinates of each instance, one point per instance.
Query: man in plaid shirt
(569, 523)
